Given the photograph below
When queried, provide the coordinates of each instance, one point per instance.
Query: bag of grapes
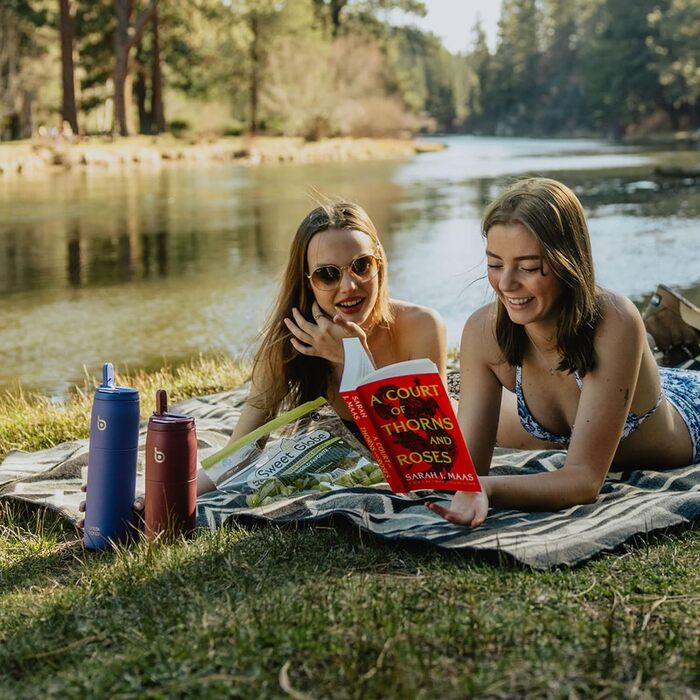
(305, 450)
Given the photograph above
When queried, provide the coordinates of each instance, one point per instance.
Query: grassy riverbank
(322, 612)
(41, 156)
(30, 421)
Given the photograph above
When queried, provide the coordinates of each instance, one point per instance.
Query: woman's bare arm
(480, 389)
(479, 404)
(253, 415)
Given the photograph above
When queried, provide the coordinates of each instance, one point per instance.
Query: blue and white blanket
(629, 504)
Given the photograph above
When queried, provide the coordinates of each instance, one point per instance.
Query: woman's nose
(507, 280)
(347, 281)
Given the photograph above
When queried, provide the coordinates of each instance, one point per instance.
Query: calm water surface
(139, 266)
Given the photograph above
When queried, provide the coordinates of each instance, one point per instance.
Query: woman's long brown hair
(554, 216)
(285, 377)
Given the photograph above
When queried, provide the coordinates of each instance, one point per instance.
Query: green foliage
(23, 49)
(178, 127)
(622, 86)
(95, 24)
(515, 67)
(351, 16)
(572, 66)
(675, 43)
(559, 66)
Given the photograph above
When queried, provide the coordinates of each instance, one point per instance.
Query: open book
(406, 418)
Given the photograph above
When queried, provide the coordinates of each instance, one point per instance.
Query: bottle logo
(101, 423)
(158, 455)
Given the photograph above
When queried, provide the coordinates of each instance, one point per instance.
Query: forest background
(318, 68)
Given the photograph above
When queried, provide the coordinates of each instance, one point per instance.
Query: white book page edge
(358, 367)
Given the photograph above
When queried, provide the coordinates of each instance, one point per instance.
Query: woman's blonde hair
(554, 216)
(290, 378)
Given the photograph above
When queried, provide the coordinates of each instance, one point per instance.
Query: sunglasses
(328, 277)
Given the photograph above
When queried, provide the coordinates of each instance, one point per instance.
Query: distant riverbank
(34, 157)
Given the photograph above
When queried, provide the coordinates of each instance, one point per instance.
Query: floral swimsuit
(681, 388)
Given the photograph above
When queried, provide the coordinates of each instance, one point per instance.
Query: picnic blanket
(632, 503)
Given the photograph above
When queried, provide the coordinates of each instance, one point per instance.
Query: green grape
(270, 488)
(375, 477)
(253, 500)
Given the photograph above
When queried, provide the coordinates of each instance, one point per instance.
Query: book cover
(405, 415)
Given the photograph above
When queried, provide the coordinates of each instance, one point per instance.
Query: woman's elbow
(589, 495)
(582, 491)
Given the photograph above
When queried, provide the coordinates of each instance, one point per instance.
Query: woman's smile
(351, 306)
(520, 276)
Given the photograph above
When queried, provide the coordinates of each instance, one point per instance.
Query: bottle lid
(162, 420)
(109, 391)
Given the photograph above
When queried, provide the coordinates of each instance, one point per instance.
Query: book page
(358, 368)
(401, 369)
(357, 364)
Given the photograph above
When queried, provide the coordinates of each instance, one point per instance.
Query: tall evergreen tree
(516, 65)
(20, 46)
(480, 62)
(676, 46)
(561, 109)
(622, 82)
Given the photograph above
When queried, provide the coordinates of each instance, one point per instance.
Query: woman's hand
(323, 338)
(467, 507)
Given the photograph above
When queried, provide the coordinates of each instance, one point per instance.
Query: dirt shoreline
(40, 156)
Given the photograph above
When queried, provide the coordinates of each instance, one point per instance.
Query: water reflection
(134, 267)
(74, 254)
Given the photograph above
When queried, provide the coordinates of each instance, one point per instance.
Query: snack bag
(307, 449)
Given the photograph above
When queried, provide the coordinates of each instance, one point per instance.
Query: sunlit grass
(30, 421)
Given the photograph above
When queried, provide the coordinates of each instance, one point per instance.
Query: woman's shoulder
(417, 331)
(619, 319)
(410, 317)
(482, 321)
(479, 334)
(616, 310)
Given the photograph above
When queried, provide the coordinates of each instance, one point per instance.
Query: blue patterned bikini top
(532, 427)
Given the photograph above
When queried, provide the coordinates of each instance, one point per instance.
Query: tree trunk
(125, 37)
(121, 61)
(145, 124)
(254, 73)
(68, 109)
(27, 115)
(336, 8)
(157, 110)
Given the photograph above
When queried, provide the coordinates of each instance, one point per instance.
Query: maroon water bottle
(171, 472)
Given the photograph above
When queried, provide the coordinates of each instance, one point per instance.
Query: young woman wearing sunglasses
(574, 356)
(335, 286)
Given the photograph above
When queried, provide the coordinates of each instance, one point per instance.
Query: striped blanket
(630, 503)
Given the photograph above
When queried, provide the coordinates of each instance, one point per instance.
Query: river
(142, 266)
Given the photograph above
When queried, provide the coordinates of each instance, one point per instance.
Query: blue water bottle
(111, 477)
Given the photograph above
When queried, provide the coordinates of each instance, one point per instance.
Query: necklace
(552, 370)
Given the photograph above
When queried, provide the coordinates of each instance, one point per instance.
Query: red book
(407, 420)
